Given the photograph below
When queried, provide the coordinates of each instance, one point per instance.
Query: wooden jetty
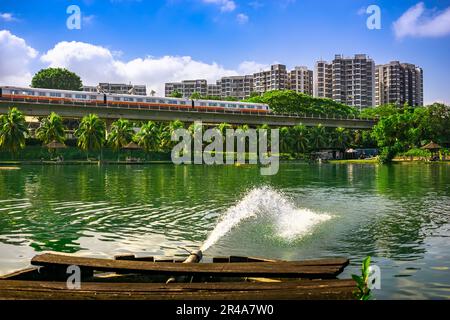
(141, 278)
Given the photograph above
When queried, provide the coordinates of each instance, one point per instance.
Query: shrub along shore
(400, 133)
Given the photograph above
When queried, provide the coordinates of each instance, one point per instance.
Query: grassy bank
(360, 161)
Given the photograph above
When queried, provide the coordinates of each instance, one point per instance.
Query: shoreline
(6, 165)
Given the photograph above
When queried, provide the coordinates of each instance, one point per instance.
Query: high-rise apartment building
(352, 80)
(239, 87)
(214, 90)
(323, 80)
(301, 80)
(187, 87)
(399, 83)
(274, 79)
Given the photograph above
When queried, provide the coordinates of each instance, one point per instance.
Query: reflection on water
(399, 214)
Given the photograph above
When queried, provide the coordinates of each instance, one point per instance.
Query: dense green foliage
(13, 131)
(51, 129)
(401, 129)
(56, 78)
(91, 133)
(176, 94)
(283, 101)
(121, 134)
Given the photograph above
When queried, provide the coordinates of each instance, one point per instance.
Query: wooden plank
(23, 274)
(315, 262)
(323, 289)
(132, 257)
(234, 259)
(259, 269)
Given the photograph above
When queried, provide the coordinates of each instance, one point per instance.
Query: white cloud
(250, 67)
(242, 18)
(417, 21)
(225, 5)
(96, 64)
(8, 17)
(15, 56)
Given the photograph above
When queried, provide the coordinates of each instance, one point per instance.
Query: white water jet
(289, 221)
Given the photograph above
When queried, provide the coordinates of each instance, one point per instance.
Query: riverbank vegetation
(400, 132)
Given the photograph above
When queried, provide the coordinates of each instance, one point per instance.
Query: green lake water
(398, 214)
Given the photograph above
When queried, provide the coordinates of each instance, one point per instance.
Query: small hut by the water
(434, 149)
(53, 146)
(130, 147)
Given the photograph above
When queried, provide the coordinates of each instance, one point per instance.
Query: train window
(116, 99)
(55, 94)
(223, 105)
(213, 104)
(93, 97)
(80, 96)
(29, 93)
(68, 95)
(139, 100)
(162, 101)
(128, 99)
(42, 94)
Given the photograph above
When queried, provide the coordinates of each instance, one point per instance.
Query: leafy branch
(363, 291)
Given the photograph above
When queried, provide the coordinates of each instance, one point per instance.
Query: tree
(13, 131)
(166, 132)
(57, 78)
(176, 94)
(195, 96)
(340, 138)
(283, 101)
(223, 128)
(286, 141)
(148, 137)
(318, 137)
(120, 135)
(91, 133)
(51, 129)
(299, 136)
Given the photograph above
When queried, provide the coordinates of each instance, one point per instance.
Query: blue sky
(155, 41)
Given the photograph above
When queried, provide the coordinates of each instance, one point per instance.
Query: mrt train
(109, 99)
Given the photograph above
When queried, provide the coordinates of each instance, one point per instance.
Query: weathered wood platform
(324, 269)
(304, 289)
(141, 278)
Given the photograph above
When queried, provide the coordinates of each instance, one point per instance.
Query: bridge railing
(193, 110)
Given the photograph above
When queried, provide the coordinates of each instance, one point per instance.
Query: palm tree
(166, 132)
(223, 128)
(300, 138)
(318, 137)
(91, 133)
(51, 129)
(121, 134)
(148, 137)
(286, 141)
(13, 131)
(341, 138)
